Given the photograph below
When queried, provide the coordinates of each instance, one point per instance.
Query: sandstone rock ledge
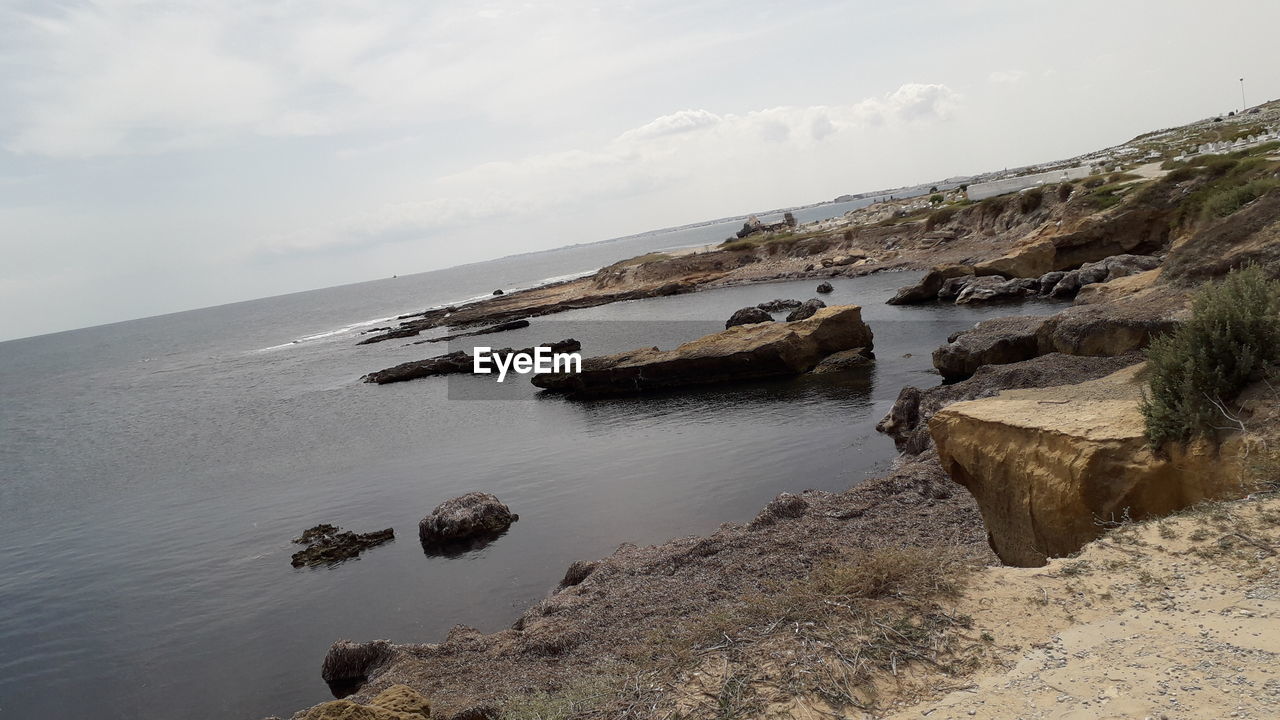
(1051, 467)
(742, 352)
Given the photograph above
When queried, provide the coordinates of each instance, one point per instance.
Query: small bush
(936, 199)
(938, 217)
(1029, 200)
(1180, 174)
(892, 572)
(1232, 339)
(735, 245)
(1064, 191)
(1122, 177)
(1095, 181)
(995, 205)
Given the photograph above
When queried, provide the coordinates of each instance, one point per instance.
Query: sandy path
(1175, 619)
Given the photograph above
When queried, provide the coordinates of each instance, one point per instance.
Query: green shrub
(1064, 191)
(936, 199)
(1219, 165)
(1180, 174)
(1094, 181)
(1030, 199)
(1231, 339)
(1228, 200)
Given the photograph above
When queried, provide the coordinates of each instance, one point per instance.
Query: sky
(158, 156)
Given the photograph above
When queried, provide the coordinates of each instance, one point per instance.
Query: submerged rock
(843, 361)
(825, 288)
(1051, 467)
(498, 292)
(472, 515)
(329, 544)
(743, 352)
(748, 315)
(806, 310)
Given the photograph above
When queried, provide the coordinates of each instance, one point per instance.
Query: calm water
(153, 473)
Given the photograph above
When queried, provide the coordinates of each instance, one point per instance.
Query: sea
(154, 472)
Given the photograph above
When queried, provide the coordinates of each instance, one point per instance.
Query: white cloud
(683, 149)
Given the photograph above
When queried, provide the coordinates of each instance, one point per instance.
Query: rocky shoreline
(1033, 451)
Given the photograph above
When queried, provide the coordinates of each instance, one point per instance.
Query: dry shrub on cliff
(1231, 339)
(939, 217)
(1030, 200)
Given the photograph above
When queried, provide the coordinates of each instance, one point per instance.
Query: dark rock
(500, 327)
(825, 288)
(473, 514)
(806, 310)
(907, 422)
(785, 505)
(748, 315)
(927, 289)
(455, 362)
(991, 342)
(991, 288)
(349, 664)
(498, 291)
(952, 288)
(744, 352)
(843, 361)
(779, 305)
(578, 572)
(1049, 280)
(329, 545)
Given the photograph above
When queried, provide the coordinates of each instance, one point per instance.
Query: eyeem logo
(540, 360)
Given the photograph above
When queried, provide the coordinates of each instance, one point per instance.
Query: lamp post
(1243, 105)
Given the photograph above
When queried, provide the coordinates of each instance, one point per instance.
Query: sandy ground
(1174, 619)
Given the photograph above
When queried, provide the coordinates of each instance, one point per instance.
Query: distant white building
(982, 191)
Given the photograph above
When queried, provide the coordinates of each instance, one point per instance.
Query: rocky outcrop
(398, 702)
(927, 289)
(994, 288)
(458, 361)
(475, 514)
(844, 361)
(907, 421)
(990, 342)
(330, 545)
(1114, 328)
(1116, 289)
(744, 352)
(779, 305)
(825, 288)
(1029, 261)
(348, 664)
(747, 316)
(1112, 268)
(806, 310)
(1051, 467)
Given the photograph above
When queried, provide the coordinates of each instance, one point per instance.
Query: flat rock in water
(328, 544)
(743, 352)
